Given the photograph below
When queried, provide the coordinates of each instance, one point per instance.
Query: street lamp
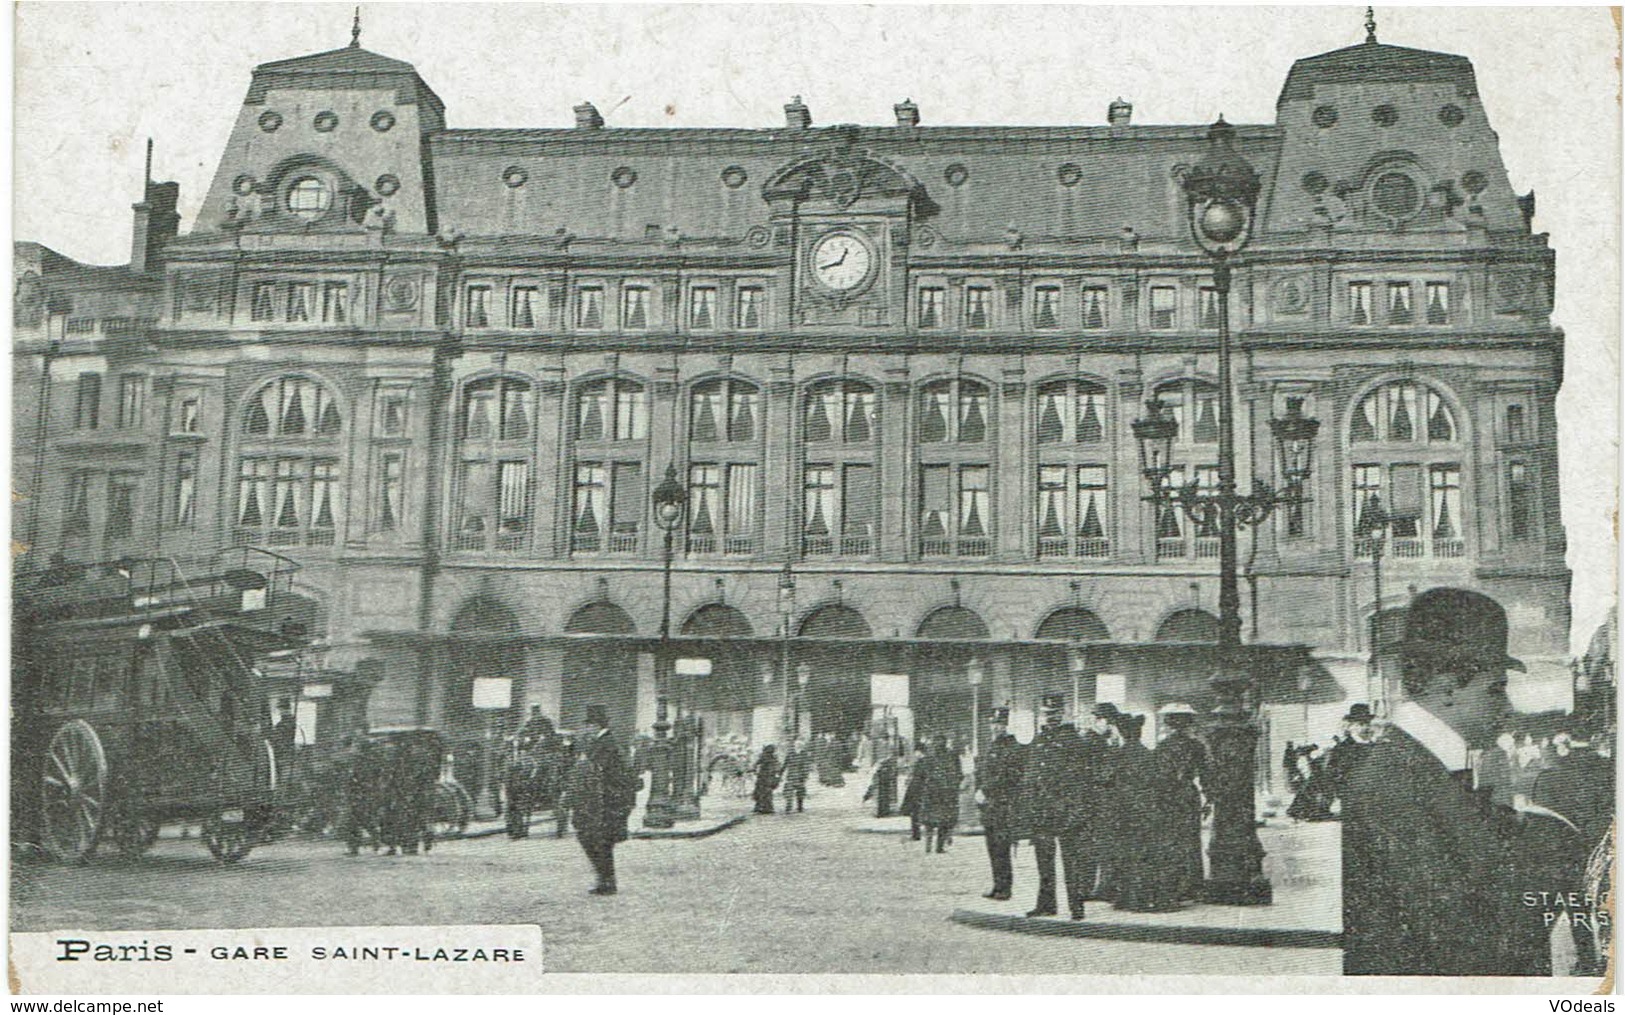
(973, 672)
(1221, 195)
(1371, 537)
(670, 499)
(803, 678)
(787, 611)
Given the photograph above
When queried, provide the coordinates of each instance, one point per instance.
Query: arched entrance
(600, 672)
(481, 702)
(836, 697)
(1189, 626)
(723, 699)
(1052, 670)
(940, 677)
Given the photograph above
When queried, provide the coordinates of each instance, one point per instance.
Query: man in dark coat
(1576, 797)
(284, 739)
(603, 793)
(1431, 882)
(939, 804)
(998, 791)
(1104, 829)
(797, 766)
(1059, 800)
(767, 780)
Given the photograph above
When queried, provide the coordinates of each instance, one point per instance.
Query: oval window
(1396, 195)
(309, 198)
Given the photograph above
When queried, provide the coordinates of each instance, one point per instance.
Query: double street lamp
(1221, 195)
(668, 777)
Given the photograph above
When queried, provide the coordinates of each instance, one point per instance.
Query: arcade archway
(600, 672)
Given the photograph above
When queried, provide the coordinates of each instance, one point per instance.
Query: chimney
(1119, 112)
(156, 223)
(908, 114)
(796, 114)
(587, 117)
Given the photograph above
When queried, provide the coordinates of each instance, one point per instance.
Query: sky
(93, 81)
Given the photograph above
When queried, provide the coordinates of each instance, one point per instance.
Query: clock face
(841, 261)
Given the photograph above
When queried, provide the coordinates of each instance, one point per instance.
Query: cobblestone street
(786, 894)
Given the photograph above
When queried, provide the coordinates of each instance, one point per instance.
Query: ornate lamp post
(1221, 195)
(1371, 536)
(974, 673)
(803, 678)
(787, 612)
(670, 500)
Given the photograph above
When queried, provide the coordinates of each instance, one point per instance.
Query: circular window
(623, 177)
(1324, 116)
(956, 175)
(387, 184)
(383, 120)
(326, 121)
(734, 177)
(1474, 182)
(309, 198)
(1396, 195)
(270, 120)
(1385, 115)
(1315, 182)
(514, 176)
(243, 185)
(1451, 116)
(1069, 174)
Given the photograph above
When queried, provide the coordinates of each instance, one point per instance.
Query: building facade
(894, 367)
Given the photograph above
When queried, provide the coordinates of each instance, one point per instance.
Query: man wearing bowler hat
(1430, 879)
(602, 796)
(1059, 802)
(998, 788)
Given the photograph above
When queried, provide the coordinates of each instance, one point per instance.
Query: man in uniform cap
(1430, 880)
(1060, 801)
(603, 793)
(998, 788)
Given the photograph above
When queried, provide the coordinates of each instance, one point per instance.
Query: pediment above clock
(845, 176)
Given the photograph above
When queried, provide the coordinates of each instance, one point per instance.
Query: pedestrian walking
(883, 784)
(767, 780)
(998, 790)
(797, 766)
(1179, 765)
(939, 803)
(914, 793)
(602, 796)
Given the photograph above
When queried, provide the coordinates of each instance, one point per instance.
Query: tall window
(725, 446)
(750, 308)
(1164, 308)
(1406, 449)
(87, 406)
(610, 496)
(183, 502)
(132, 391)
(978, 308)
(122, 495)
(301, 302)
(1047, 307)
(1094, 307)
(494, 454)
(288, 489)
(1210, 308)
(840, 433)
(1520, 521)
(263, 305)
(635, 308)
(1517, 427)
(1438, 297)
(76, 515)
(1179, 538)
(336, 303)
(1400, 307)
(1071, 412)
(390, 487)
(956, 509)
(929, 312)
(1072, 510)
(702, 308)
(479, 306)
(529, 308)
(590, 308)
(1195, 407)
(1360, 312)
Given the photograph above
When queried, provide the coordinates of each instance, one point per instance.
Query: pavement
(780, 894)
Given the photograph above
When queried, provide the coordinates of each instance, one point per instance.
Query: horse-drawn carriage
(397, 792)
(537, 766)
(135, 697)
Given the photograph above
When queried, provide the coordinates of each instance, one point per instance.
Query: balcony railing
(828, 546)
(1051, 547)
(728, 545)
(1414, 547)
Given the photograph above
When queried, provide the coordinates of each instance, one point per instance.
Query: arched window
(288, 485)
(1194, 405)
(956, 476)
(495, 455)
(610, 498)
(1406, 450)
(724, 472)
(1073, 507)
(840, 431)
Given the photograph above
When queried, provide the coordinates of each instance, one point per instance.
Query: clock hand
(835, 264)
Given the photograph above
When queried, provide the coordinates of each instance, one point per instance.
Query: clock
(842, 262)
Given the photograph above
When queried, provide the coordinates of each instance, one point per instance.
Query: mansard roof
(343, 69)
(1375, 63)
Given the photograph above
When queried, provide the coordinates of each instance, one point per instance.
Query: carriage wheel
(452, 807)
(229, 841)
(133, 834)
(74, 791)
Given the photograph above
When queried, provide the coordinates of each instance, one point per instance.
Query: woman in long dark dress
(939, 802)
(767, 780)
(1180, 762)
(1140, 864)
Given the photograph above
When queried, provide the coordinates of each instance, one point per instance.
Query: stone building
(443, 368)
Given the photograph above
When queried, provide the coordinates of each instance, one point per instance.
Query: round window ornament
(1069, 174)
(326, 121)
(1315, 182)
(382, 120)
(309, 198)
(623, 177)
(243, 185)
(1324, 116)
(400, 293)
(1292, 295)
(1451, 115)
(514, 177)
(1396, 195)
(1385, 115)
(734, 177)
(1474, 182)
(1510, 293)
(387, 184)
(270, 120)
(757, 236)
(956, 175)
